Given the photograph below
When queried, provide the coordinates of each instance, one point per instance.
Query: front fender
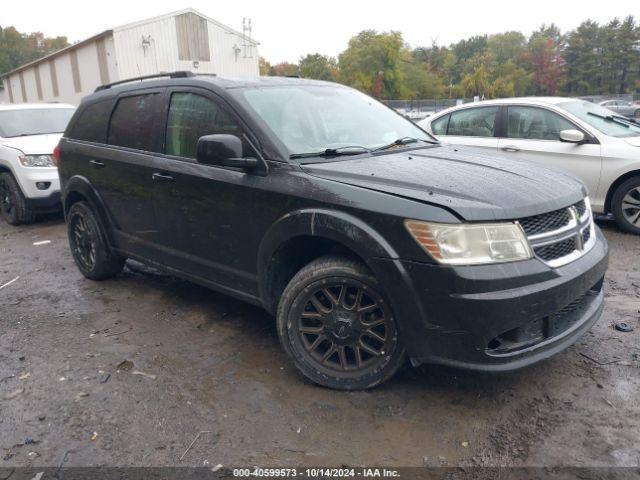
(340, 227)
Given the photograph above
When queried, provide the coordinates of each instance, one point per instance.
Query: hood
(633, 141)
(33, 144)
(475, 186)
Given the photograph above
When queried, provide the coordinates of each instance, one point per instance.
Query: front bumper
(29, 177)
(494, 317)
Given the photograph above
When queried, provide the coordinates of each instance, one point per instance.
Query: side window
(134, 121)
(91, 124)
(473, 122)
(535, 124)
(439, 126)
(192, 116)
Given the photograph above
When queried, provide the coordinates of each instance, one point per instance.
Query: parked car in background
(622, 107)
(364, 236)
(29, 181)
(574, 135)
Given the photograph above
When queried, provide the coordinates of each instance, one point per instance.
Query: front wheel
(89, 249)
(13, 204)
(625, 204)
(337, 326)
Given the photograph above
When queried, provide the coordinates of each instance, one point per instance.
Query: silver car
(600, 148)
(622, 107)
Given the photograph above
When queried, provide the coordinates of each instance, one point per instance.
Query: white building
(184, 40)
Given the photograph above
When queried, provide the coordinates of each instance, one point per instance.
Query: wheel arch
(302, 236)
(614, 186)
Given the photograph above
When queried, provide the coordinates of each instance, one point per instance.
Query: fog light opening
(43, 185)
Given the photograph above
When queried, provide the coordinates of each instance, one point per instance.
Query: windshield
(596, 116)
(34, 121)
(310, 119)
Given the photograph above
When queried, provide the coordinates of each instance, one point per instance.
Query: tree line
(592, 59)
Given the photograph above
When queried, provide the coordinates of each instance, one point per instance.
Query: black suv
(365, 237)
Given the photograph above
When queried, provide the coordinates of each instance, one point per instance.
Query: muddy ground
(197, 361)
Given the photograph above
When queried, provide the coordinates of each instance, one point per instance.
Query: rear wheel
(13, 204)
(337, 326)
(625, 204)
(89, 249)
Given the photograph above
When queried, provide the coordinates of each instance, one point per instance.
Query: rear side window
(193, 116)
(473, 122)
(134, 120)
(439, 126)
(91, 124)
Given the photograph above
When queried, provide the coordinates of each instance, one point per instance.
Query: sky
(289, 29)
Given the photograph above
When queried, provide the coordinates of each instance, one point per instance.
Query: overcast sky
(288, 29)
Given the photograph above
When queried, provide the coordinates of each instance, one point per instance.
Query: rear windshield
(34, 121)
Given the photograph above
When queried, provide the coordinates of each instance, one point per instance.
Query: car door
(207, 213)
(533, 133)
(470, 127)
(124, 170)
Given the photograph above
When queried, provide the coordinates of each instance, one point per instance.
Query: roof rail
(178, 74)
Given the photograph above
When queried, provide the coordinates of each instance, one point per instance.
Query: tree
(284, 69)
(264, 66)
(372, 63)
(319, 67)
(545, 60)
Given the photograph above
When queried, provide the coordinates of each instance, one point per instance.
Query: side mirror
(572, 136)
(223, 150)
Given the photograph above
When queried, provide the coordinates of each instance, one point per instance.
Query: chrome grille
(561, 236)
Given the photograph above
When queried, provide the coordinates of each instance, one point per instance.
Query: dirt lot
(197, 361)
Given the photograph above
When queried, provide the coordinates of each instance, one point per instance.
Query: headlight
(36, 160)
(471, 244)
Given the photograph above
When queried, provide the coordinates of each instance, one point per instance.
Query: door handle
(159, 177)
(96, 163)
(510, 148)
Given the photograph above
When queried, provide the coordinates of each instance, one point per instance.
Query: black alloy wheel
(89, 249)
(338, 327)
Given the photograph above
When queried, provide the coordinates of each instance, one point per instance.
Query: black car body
(248, 229)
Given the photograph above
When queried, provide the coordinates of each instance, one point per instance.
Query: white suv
(592, 142)
(28, 176)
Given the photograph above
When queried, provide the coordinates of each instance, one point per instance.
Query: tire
(13, 204)
(336, 324)
(623, 205)
(89, 248)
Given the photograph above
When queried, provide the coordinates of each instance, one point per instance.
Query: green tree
(372, 63)
(284, 69)
(319, 67)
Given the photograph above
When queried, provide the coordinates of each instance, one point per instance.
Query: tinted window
(91, 124)
(34, 121)
(133, 122)
(536, 124)
(193, 116)
(473, 122)
(439, 126)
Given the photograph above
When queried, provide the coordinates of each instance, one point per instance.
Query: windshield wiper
(333, 152)
(401, 141)
(614, 118)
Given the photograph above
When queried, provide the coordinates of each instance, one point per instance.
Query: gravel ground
(128, 371)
